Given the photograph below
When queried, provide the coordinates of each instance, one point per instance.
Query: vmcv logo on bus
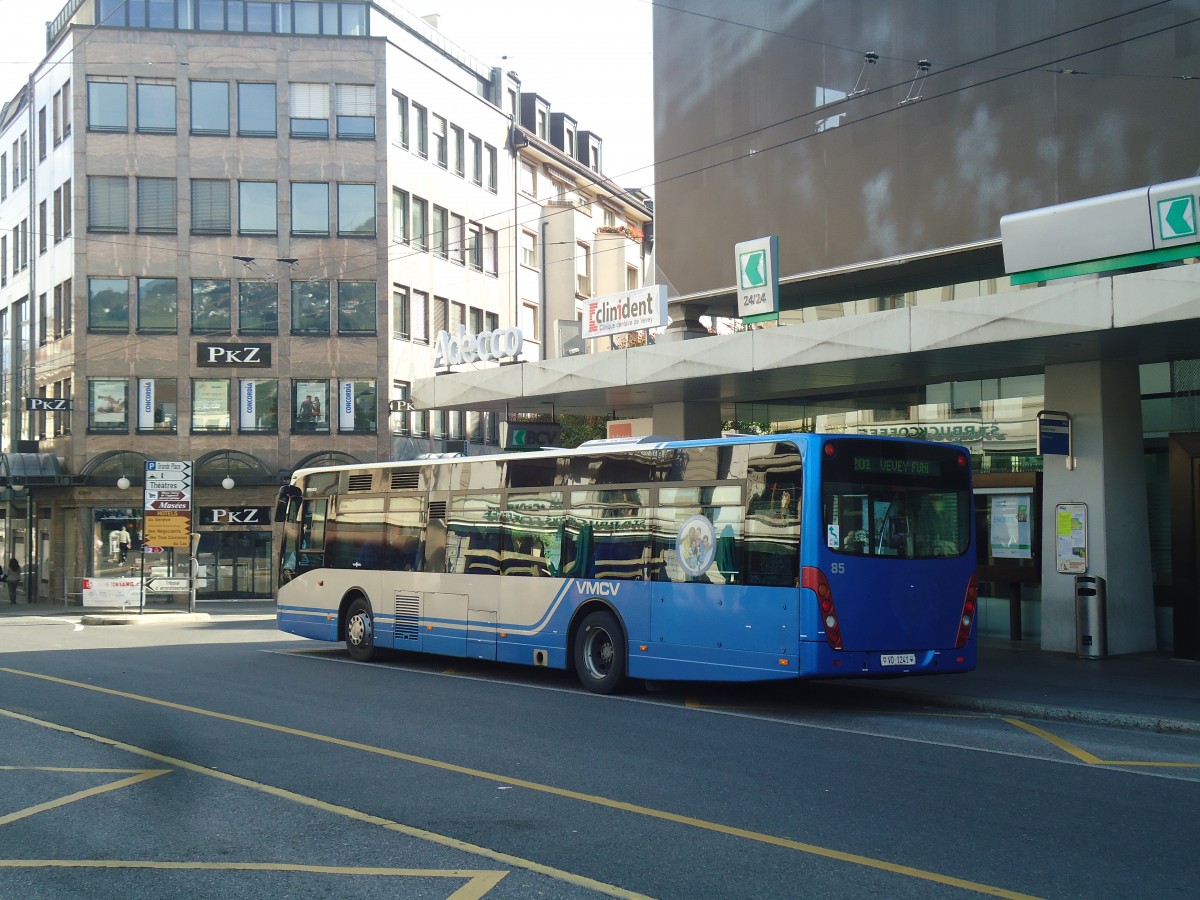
(597, 588)
(455, 349)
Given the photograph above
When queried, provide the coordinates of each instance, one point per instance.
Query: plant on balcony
(628, 230)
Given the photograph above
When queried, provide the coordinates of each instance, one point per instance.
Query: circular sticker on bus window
(696, 544)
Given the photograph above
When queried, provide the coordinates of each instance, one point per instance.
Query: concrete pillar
(685, 323)
(1104, 401)
(687, 420)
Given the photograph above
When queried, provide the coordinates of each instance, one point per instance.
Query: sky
(595, 67)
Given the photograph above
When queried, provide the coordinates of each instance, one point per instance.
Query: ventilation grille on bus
(408, 616)
(360, 483)
(406, 479)
(437, 510)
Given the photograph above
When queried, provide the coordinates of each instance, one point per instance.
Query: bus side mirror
(287, 494)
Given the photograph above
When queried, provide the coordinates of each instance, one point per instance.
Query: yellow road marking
(479, 881)
(347, 812)
(1092, 760)
(142, 775)
(648, 812)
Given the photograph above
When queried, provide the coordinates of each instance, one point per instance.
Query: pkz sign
(253, 355)
(48, 404)
(235, 515)
(455, 349)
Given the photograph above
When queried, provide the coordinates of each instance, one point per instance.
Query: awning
(31, 470)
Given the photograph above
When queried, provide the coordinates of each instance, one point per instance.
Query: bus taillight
(814, 579)
(970, 602)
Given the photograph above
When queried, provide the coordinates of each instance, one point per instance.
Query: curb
(1056, 713)
(154, 618)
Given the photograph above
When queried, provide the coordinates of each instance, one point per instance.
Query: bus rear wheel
(360, 631)
(600, 653)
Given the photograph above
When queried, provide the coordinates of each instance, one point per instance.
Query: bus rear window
(896, 500)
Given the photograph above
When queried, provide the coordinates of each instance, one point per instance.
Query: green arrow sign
(1177, 217)
(754, 269)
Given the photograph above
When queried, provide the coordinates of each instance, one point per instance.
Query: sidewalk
(1143, 690)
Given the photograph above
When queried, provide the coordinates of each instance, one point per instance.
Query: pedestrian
(12, 578)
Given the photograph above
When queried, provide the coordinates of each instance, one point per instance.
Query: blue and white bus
(737, 559)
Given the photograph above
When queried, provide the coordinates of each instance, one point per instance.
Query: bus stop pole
(193, 570)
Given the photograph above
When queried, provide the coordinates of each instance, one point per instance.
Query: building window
(256, 109)
(67, 108)
(308, 18)
(41, 127)
(492, 168)
(210, 107)
(156, 106)
(158, 305)
(440, 154)
(309, 110)
(491, 257)
(108, 405)
(210, 206)
(108, 203)
(475, 246)
(529, 321)
(437, 232)
(421, 126)
(210, 404)
(420, 317)
(56, 117)
(529, 250)
(356, 307)
(108, 304)
(310, 208)
(157, 405)
(258, 204)
(401, 317)
(402, 398)
(458, 150)
(44, 324)
(157, 206)
(210, 15)
(631, 278)
(258, 307)
(310, 406)
(68, 309)
(108, 105)
(354, 106)
(401, 106)
(529, 179)
(476, 160)
(583, 270)
(212, 306)
(356, 210)
(458, 239)
(399, 216)
(310, 307)
(258, 406)
(358, 407)
(43, 229)
(420, 223)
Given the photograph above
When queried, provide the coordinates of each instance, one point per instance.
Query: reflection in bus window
(608, 534)
(534, 533)
(404, 531)
(473, 534)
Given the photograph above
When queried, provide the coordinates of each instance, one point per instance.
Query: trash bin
(1091, 617)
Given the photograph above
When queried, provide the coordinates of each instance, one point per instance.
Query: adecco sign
(456, 349)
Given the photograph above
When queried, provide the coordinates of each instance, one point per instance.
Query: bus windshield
(895, 500)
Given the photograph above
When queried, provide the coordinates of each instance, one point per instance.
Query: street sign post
(167, 517)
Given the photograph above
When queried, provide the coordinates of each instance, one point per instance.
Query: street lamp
(123, 483)
(228, 483)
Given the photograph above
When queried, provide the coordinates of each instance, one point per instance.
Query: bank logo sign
(758, 276)
(1177, 217)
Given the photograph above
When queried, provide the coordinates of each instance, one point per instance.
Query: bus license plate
(898, 659)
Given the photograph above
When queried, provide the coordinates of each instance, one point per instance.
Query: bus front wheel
(360, 631)
(600, 653)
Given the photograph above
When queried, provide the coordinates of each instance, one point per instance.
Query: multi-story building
(230, 234)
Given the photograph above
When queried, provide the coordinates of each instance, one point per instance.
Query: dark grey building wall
(1000, 125)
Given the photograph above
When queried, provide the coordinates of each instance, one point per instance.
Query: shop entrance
(1184, 450)
(236, 565)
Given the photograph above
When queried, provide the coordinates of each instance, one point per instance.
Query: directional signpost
(758, 278)
(168, 515)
